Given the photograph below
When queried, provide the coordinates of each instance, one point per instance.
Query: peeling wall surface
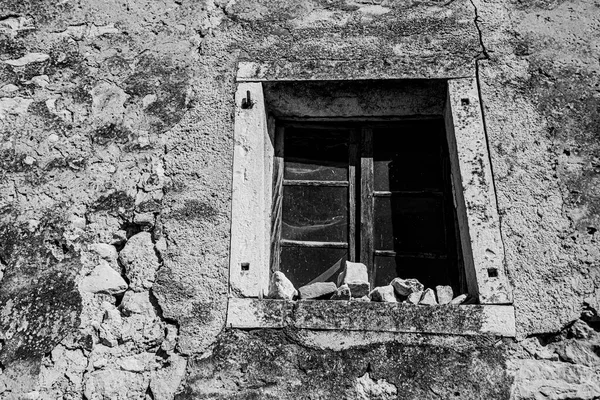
(116, 147)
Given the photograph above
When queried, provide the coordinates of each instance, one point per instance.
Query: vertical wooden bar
(277, 198)
(353, 160)
(366, 210)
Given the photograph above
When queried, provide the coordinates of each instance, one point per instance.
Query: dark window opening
(375, 192)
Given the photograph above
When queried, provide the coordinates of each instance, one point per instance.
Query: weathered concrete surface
(539, 89)
(116, 118)
(280, 365)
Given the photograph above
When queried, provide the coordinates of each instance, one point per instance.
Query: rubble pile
(353, 284)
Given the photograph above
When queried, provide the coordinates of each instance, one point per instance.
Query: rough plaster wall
(116, 136)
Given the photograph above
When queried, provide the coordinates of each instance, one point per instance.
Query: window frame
(362, 194)
(478, 220)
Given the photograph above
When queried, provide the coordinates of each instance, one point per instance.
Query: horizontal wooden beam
(291, 182)
(306, 243)
(408, 254)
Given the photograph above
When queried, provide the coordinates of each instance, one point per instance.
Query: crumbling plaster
(116, 118)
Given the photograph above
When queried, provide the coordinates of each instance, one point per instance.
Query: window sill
(464, 320)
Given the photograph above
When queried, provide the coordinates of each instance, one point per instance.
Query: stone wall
(116, 127)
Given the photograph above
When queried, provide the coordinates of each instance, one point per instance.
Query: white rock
(9, 88)
(428, 298)
(368, 388)
(108, 103)
(115, 385)
(164, 382)
(383, 294)
(356, 276)
(29, 160)
(137, 303)
(53, 138)
(12, 25)
(40, 80)
(136, 363)
(281, 287)
(459, 299)
(105, 251)
(316, 290)
(405, 287)
(140, 261)
(14, 106)
(415, 297)
(444, 294)
(28, 59)
(103, 279)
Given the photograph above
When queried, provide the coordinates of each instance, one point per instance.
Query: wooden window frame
(478, 221)
(361, 196)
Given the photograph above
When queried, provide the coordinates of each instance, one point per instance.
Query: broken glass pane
(316, 154)
(303, 264)
(315, 213)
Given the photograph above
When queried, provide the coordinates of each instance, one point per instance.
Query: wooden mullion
(352, 163)
(366, 195)
(291, 182)
(313, 244)
(276, 214)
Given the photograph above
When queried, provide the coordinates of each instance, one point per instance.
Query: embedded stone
(343, 293)
(165, 381)
(414, 297)
(281, 287)
(444, 294)
(428, 298)
(105, 251)
(356, 276)
(137, 303)
(384, 294)
(140, 261)
(103, 279)
(405, 287)
(459, 299)
(317, 290)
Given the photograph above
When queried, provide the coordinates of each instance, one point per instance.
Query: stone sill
(465, 320)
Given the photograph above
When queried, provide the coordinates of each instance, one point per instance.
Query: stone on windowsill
(317, 290)
(414, 297)
(428, 298)
(444, 294)
(459, 299)
(404, 287)
(383, 294)
(281, 287)
(356, 276)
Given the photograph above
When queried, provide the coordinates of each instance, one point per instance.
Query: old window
(368, 191)
(394, 174)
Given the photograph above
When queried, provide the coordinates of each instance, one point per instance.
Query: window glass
(315, 213)
(316, 154)
(407, 156)
(303, 264)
